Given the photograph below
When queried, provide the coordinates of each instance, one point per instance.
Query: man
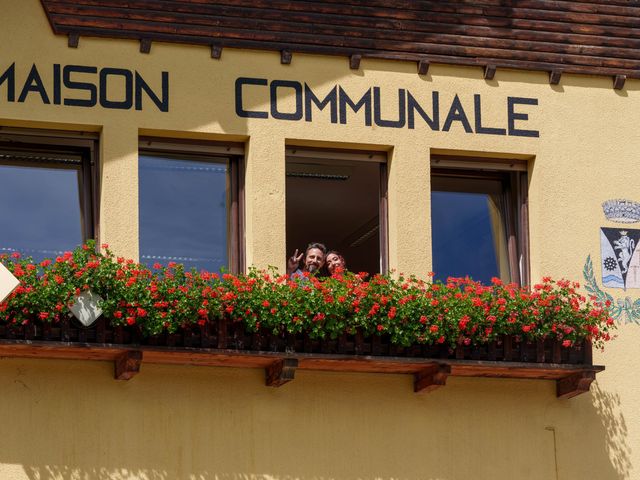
(314, 257)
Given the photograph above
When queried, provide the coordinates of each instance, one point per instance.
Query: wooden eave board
(587, 37)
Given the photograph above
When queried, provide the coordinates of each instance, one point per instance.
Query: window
(189, 205)
(479, 219)
(338, 198)
(47, 187)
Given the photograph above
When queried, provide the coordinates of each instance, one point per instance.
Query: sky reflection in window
(183, 212)
(39, 211)
(463, 239)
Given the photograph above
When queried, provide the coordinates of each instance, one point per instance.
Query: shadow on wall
(68, 420)
(123, 474)
(590, 436)
(607, 406)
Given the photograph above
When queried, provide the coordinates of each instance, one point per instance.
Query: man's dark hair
(319, 246)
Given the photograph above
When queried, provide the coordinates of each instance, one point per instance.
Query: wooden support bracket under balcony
(127, 364)
(574, 384)
(431, 378)
(281, 371)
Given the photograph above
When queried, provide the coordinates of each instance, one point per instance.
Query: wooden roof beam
(489, 72)
(423, 67)
(618, 82)
(216, 51)
(285, 57)
(74, 39)
(554, 77)
(145, 45)
(354, 61)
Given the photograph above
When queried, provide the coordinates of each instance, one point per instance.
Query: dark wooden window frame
(65, 150)
(466, 172)
(379, 157)
(233, 153)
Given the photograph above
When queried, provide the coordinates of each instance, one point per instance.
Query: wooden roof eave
(593, 37)
(354, 57)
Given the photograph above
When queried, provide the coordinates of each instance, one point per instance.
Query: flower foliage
(408, 309)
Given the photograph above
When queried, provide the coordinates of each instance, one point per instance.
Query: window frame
(47, 149)
(513, 176)
(233, 153)
(295, 153)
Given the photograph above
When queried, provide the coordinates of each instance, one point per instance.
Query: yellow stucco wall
(72, 420)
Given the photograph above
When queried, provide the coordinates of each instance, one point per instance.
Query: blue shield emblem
(620, 257)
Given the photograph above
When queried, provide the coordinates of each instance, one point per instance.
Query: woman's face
(334, 262)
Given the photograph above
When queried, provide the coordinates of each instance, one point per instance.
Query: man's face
(314, 259)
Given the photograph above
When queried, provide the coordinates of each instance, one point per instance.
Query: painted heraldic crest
(620, 257)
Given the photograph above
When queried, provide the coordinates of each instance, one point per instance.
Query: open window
(338, 198)
(190, 204)
(47, 191)
(479, 219)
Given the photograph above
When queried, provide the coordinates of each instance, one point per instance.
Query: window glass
(40, 214)
(468, 236)
(183, 211)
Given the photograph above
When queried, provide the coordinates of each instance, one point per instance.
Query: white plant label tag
(85, 308)
(7, 282)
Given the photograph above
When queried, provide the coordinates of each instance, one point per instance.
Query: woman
(335, 262)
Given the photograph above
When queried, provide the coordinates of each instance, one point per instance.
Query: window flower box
(347, 323)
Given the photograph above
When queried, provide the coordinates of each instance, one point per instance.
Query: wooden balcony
(223, 344)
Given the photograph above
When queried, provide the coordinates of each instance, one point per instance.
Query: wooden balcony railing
(228, 344)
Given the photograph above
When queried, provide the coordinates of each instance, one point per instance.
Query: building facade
(276, 133)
